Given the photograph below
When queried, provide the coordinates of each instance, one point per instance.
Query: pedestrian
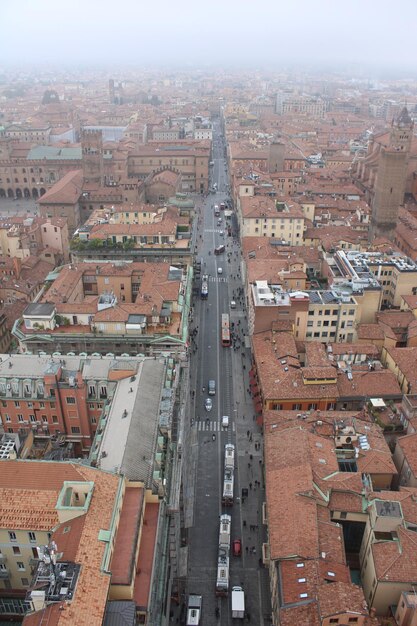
(247, 434)
(250, 484)
(248, 465)
(247, 549)
(244, 522)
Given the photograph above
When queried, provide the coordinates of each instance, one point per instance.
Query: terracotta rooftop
(40, 483)
(341, 597)
(66, 191)
(408, 445)
(123, 561)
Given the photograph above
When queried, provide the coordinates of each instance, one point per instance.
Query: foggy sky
(372, 33)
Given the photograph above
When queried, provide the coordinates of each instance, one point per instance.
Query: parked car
(208, 404)
(220, 270)
(237, 547)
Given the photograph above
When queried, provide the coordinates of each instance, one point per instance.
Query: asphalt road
(229, 368)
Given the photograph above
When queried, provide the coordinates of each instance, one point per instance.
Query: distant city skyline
(378, 36)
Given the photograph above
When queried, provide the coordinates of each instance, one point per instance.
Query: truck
(194, 610)
(238, 602)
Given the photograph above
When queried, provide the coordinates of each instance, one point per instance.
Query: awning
(258, 404)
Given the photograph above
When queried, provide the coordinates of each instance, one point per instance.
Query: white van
(212, 387)
(225, 421)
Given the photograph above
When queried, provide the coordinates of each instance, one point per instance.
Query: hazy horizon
(230, 34)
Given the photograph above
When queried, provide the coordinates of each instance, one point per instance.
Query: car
(237, 547)
(220, 270)
(232, 304)
(225, 421)
(208, 404)
(221, 233)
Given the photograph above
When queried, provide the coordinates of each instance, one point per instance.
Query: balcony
(4, 573)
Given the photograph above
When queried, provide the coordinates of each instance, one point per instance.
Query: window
(32, 536)
(32, 418)
(17, 403)
(54, 419)
(19, 417)
(296, 407)
(334, 620)
(75, 430)
(25, 582)
(353, 620)
(20, 566)
(7, 417)
(12, 536)
(16, 550)
(70, 400)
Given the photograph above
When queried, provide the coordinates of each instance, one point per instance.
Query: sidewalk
(250, 451)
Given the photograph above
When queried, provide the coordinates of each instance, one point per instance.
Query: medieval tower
(92, 155)
(391, 177)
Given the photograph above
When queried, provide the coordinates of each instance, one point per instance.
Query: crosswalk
(217, 279)
(212, 426)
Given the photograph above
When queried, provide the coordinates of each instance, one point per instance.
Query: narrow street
(229, 368)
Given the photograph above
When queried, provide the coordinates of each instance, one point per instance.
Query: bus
(204, 287)
(222, 580)
(225, 330)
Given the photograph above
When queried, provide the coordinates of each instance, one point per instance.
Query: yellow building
(266, 217)
(387, 553)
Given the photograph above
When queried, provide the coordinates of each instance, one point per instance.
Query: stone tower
(111, 91)
(391, 177)
(92, 155)
(276, 157)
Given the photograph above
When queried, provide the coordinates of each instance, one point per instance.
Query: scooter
(213, 436)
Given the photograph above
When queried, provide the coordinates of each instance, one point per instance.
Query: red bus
(225, 330)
